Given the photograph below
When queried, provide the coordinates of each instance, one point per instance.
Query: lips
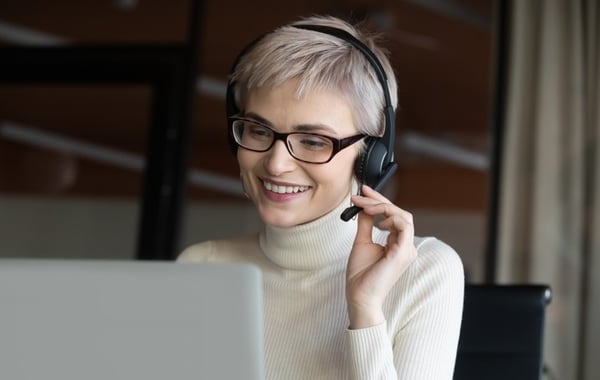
(284, 189)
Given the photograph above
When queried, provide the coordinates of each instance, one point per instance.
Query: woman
(342, 299)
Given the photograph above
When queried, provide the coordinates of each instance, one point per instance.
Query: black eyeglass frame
(338, 144)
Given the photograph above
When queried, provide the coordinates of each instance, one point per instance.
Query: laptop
(94, 319)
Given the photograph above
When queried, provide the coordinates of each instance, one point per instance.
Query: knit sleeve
(370, 352)
(423, 312)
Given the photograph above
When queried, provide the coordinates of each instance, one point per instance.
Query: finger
(397, 223)
(364, 232)
(363, 201)
(376, 198)
(386, 209)
(370, 192)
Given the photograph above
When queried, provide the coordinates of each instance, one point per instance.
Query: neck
(322, 242)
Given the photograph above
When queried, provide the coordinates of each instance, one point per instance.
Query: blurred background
(56, 186)
(113, 134)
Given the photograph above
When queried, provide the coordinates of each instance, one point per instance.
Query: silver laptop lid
(75, 320)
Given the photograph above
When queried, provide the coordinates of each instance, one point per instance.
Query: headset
(375, 165)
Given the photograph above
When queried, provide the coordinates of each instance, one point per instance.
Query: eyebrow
(297, 128)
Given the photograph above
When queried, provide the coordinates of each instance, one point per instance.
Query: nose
(278, 160)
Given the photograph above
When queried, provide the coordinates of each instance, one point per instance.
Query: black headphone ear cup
(370, 163)
(231, 107)
(230, 139)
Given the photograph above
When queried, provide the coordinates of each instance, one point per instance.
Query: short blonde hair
(320, 61)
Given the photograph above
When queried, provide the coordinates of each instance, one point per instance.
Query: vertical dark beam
(502, 30)
(165, 177)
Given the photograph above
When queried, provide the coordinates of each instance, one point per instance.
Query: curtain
(549, 218)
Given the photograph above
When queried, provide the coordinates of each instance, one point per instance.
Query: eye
(258, 132)
(313, 142)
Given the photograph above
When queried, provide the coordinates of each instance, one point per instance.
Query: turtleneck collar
(313, 245)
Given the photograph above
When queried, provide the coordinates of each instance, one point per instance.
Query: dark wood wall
(444, 60)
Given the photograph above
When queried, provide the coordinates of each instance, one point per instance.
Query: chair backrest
(502, 332)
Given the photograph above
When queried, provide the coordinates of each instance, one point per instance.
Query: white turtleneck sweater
(306, 320)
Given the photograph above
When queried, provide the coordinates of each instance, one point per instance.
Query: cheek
(245, 159)
(350, 158)
(340, 172)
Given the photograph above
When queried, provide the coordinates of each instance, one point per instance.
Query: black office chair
(502, 332)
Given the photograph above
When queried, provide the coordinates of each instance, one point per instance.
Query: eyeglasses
(306, 147)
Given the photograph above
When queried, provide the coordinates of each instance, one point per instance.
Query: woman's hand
(373, 269)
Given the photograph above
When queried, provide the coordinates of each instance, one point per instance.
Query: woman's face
(288, 192)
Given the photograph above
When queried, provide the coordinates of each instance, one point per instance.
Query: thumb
(364, 232)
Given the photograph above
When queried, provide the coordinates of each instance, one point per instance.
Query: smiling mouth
(279, 189)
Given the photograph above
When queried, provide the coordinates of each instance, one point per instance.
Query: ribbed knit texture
(306, 334)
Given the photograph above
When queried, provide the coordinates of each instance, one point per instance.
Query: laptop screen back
(70, 319)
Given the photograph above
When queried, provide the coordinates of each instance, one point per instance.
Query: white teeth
(284, 189)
